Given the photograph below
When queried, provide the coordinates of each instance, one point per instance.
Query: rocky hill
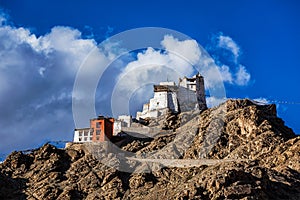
(238, 150)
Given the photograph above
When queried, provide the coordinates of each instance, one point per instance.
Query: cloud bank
(226, 53)
(177, 59)
(36, 82)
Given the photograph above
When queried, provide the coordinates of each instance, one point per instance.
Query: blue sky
(36, 80)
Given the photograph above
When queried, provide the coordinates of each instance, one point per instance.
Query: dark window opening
(98, 124)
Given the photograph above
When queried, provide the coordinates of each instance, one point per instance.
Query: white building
(122, 121)
(83, 135)
(191, 93)
(188, 95)
(126, 120)
(165, 98)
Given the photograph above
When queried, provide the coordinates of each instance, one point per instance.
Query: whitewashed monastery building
(188, 95)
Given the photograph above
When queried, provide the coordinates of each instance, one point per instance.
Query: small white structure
(165, 98)
(83, 135)
(126, 120)
(122, 121)
(188, 95)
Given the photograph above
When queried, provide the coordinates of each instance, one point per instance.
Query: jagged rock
(264, 162)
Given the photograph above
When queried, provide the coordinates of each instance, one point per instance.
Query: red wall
(106, 129)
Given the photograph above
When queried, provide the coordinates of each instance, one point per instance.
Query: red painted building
(102, 128)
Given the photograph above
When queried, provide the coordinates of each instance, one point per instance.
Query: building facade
(188, 95)
(165, 98)
(101, 129)
(191, 93)
(83, 135)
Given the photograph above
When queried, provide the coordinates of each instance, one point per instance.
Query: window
(85, 138)
(79, 139)
(98, 132)
(97, 124)
(97, 138)
(80, 134)
(86, 133)
(91, 138)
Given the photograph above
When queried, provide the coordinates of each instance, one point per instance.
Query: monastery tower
(188, 95)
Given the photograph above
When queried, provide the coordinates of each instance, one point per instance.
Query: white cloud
(235, 73)
(36, 81)
(154, 66)
(261, 101)
(41, 71)
(2, 20)
(214, 101)
(167, 65)
(227, 42)
(225, 73)
(65, 39)
(187, 49)
(242, 76)
(178, 60)
(173, 64)
(179, 56)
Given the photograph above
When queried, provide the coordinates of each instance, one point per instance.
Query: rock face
(264, 154)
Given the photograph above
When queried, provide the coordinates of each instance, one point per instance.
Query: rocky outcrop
(263, 162)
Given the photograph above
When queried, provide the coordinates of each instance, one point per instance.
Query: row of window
(86, 139)
(85, 133)
(88, 133)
